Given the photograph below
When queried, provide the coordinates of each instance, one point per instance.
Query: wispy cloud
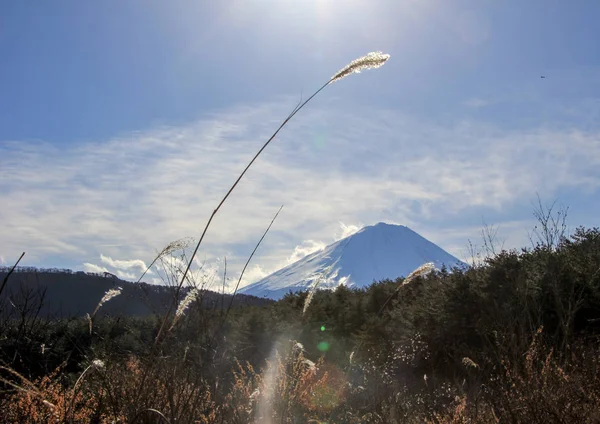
(348, 230)
(255, 273)
(88, 267)
(126, 197)
(124, 265)
(305, 248)
(97, 269)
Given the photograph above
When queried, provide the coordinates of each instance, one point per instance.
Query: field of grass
(514, 338)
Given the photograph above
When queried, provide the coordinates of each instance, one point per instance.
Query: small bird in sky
(542, 76)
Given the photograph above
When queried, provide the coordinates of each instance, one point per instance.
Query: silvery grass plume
(314, 287)
(311, 365)
(421, 271)
(469, 363)
(255, 394)
(372, 60)
(298, 347)
(98, 364)
(112, 293)
(252, 400)
(174, 246)
(184, 304)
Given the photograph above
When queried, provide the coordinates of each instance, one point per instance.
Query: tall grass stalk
(224, 280)
(242, 273)
(369, 61)
(315, 285)
(184, 304)
(110, 294)
(152, 410)
(173, 246)
(421, 271)
(5, 280)
(96, 364)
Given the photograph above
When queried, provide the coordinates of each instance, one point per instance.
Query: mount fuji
(377, 252)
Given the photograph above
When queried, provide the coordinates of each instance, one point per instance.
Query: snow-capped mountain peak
(374, 253)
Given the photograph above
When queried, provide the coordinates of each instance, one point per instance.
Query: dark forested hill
(62, 293)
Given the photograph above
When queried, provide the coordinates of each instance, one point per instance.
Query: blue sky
(122, 123)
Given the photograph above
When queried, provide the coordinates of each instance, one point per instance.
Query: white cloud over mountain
(119, 201)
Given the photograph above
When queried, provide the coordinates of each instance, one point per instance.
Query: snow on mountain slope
(374, 253)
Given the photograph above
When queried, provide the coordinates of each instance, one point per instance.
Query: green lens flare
(323, 346)
(322, 328)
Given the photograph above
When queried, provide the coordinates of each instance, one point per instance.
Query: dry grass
(538, 388)
(48, 400)
(164, 385)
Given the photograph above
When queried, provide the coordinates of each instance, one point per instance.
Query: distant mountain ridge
(69, 294)
(376, 252)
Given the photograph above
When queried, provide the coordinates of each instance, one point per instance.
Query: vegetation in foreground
(513, 339)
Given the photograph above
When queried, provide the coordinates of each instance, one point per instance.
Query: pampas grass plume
(311, 365)
(469, 363)
(110, 294)
(98, 364)
(313, 289)
(184, 304)
(311, 293)
(176, 245)
(421, 271)
(372, 60)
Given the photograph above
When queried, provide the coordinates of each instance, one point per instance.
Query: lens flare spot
(328, 390)
(323, 346)
(322, 328)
